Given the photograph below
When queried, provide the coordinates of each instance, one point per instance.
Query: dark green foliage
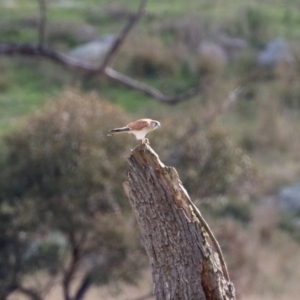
(61, 185)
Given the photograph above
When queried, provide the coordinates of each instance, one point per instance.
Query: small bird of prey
(139, 128)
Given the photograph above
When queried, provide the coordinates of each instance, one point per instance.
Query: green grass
(25, 88)
(27, 84)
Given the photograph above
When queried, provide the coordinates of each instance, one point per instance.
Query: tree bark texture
(184, 265)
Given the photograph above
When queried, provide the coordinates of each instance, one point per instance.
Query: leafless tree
(175, 234)
(41, 49)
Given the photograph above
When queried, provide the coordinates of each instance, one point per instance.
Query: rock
(289, 198)
(223, 49)
(94, 51)
(212, 52)
(277, 51)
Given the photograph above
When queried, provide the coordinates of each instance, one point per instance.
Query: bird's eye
(155, 124)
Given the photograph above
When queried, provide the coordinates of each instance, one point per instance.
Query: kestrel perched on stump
(139, 128)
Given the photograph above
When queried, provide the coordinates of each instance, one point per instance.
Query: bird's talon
(145, 141)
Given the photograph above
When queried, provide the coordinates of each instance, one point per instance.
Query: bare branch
(42, 22)
(41, 50)
(73, 64)
(232, 97)
(122, 36)
(150, 91)
(83, 287)
(26, 49)
(73, 265)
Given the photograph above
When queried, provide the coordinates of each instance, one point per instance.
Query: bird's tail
(118, 130)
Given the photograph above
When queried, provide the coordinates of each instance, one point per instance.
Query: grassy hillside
(26, 83)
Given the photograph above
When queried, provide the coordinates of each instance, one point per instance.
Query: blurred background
(66, 228)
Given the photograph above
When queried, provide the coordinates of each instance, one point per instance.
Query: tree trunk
(184, 265)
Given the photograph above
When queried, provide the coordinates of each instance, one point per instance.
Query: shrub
(252, 23)
(213, 166)
(61, 175)
(208, 162)
(147, 57)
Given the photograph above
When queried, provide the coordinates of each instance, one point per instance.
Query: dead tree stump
(184, 265)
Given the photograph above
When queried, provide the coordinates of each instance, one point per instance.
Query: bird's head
(155, 124)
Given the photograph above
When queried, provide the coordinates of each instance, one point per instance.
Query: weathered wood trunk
(184, 265)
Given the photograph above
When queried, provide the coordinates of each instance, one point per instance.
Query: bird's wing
(139, 124)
